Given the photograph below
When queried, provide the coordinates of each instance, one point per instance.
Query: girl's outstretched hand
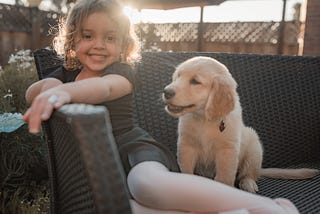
(43, 106)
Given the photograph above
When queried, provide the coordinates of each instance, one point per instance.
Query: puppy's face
(202, 85)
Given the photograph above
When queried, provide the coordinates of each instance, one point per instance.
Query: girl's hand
(43, 106)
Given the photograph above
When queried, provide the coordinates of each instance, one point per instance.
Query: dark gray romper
(135, 145)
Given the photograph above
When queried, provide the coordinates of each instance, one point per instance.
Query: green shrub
(23, 172)
(15, 78)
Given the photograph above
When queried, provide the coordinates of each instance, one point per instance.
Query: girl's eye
(194, 82)
(110, 38)
(87, 36)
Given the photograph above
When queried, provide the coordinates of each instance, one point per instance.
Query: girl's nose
(100, 43)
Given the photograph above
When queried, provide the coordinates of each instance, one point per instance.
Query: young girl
(99, 47)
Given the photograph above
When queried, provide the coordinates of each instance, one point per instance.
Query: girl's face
(98, 43)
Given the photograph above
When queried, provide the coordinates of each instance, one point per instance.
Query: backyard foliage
(23, 172)
(15, 78)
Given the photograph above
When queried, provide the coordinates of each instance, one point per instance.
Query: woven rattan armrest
(85, 171)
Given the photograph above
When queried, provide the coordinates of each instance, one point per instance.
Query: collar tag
(222, 126)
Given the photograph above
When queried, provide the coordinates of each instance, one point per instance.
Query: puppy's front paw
(249, 185)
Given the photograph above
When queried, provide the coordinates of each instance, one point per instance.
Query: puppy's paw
(249, 185)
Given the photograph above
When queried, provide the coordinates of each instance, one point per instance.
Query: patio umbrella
(169, 4)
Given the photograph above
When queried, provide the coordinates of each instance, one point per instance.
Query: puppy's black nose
(168, 92)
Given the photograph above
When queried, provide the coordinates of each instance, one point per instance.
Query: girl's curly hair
(64, 41)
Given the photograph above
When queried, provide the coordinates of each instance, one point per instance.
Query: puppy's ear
(222, 97)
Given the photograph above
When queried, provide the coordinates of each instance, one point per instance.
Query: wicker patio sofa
(280, 96)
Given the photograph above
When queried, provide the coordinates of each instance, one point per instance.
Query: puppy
(211, 131)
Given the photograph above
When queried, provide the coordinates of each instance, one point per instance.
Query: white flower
(12, 59)
(23, 57)
(8, 95)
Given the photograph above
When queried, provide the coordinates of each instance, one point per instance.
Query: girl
(99, 46)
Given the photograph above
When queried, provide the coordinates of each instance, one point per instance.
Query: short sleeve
(58, 74)
(122, 69)
(64, 75)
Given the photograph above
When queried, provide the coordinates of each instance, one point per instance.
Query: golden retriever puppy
(211, 131)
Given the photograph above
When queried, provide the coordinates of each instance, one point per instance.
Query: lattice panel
(263, 32)
(235, 32)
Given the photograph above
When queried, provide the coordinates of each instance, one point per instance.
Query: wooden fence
(24, 28)
(29, 28)
(239, 37)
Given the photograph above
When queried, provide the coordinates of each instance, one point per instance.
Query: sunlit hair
(64, 41)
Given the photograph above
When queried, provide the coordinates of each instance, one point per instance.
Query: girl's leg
(152, 185)
(140, 209)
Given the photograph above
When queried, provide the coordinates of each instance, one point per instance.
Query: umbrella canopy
(169, 4)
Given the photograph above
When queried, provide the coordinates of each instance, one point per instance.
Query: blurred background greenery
(23, 168)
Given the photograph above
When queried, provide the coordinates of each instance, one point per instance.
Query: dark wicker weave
(280, 96)
(85, 171)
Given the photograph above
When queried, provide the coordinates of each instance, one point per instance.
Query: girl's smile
(97, 57)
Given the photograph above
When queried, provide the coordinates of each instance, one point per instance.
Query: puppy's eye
(194, 82)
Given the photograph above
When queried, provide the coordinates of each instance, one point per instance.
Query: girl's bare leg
(140, 209)
(153, 185)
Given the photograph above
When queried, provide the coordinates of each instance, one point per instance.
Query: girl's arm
(40, 86)
(93, 90)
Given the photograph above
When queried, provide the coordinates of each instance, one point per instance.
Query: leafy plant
(15, 78)
(23, 172)
(29, 199)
